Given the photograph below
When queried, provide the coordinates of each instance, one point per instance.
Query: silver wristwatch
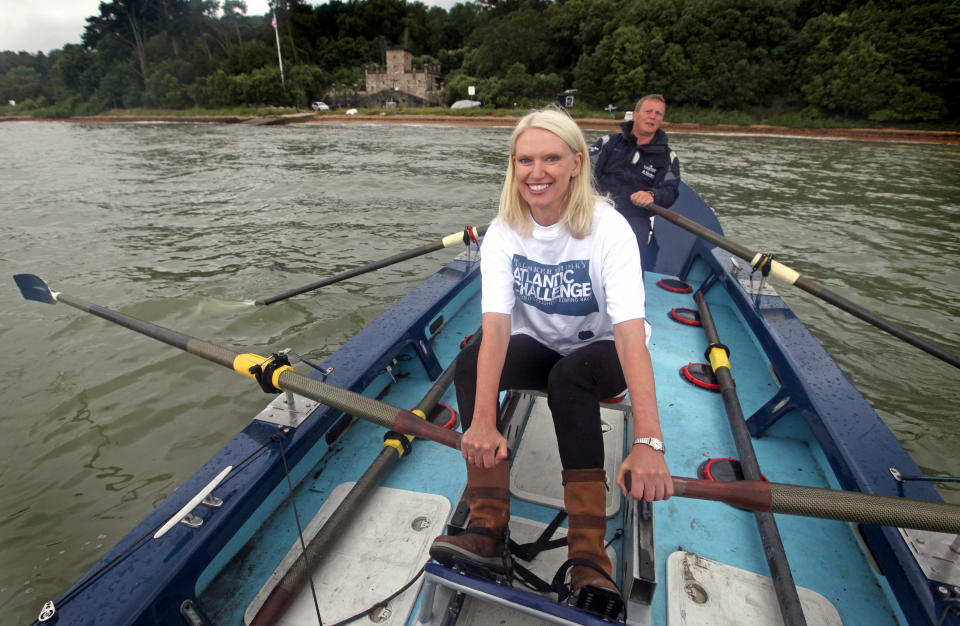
(653, 442)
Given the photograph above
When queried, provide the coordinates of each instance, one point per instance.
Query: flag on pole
(274, 21)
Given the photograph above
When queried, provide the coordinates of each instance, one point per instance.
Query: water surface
(185, 225)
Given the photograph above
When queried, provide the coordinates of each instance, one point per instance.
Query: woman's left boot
(591, 572)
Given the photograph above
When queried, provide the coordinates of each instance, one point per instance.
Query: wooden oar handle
(409, 423)
(753, 495)
(370, 409)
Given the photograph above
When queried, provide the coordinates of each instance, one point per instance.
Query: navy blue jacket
(621, 167)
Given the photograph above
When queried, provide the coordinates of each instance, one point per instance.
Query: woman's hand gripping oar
(470, 235)
(767, 265)
(750, 495)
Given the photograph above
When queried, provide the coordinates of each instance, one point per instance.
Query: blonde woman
(563, 309)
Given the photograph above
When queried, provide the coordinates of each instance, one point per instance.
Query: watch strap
(653, 442)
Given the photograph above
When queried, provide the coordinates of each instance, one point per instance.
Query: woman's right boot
(591, 572)
(484, 542)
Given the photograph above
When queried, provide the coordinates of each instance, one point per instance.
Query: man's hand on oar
(767, 265)
(469, 235)
(751, 495)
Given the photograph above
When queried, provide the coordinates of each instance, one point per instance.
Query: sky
(45, 25)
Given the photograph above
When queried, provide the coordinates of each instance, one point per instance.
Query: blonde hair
(514, 210)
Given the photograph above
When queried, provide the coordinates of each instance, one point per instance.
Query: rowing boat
(795, 503)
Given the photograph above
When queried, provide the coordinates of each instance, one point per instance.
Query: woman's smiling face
(543, 166)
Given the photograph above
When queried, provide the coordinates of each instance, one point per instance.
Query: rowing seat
(617, 399)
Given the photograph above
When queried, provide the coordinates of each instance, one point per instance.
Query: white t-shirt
(562, 291)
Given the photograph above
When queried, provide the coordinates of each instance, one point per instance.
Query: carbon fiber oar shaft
(846, 506)
(792, 277)
(783, 584)
(469, 234)
(372, 410)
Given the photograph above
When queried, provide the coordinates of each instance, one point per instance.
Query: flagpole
(276, 34)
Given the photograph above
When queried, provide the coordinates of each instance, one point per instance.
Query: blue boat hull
(810, 424)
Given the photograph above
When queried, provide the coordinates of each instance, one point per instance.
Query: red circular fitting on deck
(723, 470)
(701, 375)
(674, 285)
(683, 315)
(443, 416)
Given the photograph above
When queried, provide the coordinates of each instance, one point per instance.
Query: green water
(185, 225)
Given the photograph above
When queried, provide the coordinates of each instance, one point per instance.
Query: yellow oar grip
(243, 362)
(718, 359)
(394, 442)
(778, 270)
(452, 240)
(470, 233)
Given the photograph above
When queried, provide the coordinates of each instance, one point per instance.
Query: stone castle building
(396, 82)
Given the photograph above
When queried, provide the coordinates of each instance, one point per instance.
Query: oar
(469, 235)
(781, 272)
(751, 495)
(277, 602)
(284, 378)
(787, 597)
(847, 506)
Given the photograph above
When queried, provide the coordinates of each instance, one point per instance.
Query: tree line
(883, 60)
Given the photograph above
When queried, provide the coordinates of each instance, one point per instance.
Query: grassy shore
(680, 119)
(686, 115)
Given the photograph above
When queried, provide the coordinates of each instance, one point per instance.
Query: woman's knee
(571, 375)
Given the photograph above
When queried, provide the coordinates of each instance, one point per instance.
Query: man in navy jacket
(636, 166)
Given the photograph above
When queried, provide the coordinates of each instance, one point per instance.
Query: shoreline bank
(596, 124)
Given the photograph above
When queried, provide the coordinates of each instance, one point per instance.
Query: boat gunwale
(859, 458)
(170, 573)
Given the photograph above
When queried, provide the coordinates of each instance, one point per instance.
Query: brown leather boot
(484, 542)
(591, 574)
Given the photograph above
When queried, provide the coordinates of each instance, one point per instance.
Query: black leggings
(575, 385)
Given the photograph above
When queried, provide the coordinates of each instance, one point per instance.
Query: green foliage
(517, 37)
(882, 63)
(306, 83)
(164, 90)
(217, 90)
(21, 83)
(261, 86)
(456, 87)
(878, 60)
(696, 115)
(120, 87)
